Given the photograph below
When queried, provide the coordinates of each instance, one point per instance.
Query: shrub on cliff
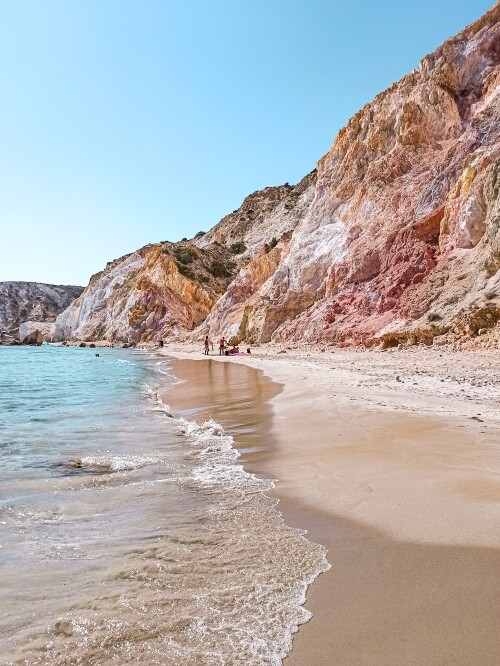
(184, 254)
(185, 270)
(238, 248)
(220, 268)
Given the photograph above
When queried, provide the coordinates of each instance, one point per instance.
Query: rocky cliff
(23, 301)
(399, 241)
(394, 238)
(168, 289)
(160, 291)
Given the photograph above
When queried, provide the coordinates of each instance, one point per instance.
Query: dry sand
(391, 460)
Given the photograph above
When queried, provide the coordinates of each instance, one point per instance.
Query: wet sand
(404, 492)
(235, 395)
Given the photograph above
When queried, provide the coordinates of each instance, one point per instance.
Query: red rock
(394, 238)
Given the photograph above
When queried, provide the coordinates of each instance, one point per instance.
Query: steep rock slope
(166, 290)
(22, 301)
(394, 237)
(265, 224)
(143, 296)
(400, 238)
(265, 215)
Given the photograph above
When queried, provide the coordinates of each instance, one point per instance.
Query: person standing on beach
(207, 345)
(222, 346)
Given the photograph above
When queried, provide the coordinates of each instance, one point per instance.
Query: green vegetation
(220, 268)
(184, 254)
(238, 248)
(199, 234)
(185, 270)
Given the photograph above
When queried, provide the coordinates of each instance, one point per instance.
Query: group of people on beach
(224, 348)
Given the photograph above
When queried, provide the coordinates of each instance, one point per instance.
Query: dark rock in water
(92, 345)
(82, 344)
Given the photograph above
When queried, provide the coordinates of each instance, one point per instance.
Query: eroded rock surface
(400, 237)
(168, 289)
(23, 301)
(36, 332)
(394, 238)
(160, 291)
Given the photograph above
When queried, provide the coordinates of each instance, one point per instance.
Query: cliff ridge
(394, 238)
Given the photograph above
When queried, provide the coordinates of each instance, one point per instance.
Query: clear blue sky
(125, 123)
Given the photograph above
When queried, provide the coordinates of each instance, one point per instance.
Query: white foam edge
(215, 450)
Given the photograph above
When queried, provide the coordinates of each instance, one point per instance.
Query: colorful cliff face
(394, 237)
(21, 301)
(167, 290)
(399, 240)
(159, 291)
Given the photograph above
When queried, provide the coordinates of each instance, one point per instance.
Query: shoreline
(402, 488)
(239, 398)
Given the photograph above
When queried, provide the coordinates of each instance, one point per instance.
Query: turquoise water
(59, 404)
(128, 534)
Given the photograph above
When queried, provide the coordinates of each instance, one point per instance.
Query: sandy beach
(391, 460)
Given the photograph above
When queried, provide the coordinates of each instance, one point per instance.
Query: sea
(131, 533)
